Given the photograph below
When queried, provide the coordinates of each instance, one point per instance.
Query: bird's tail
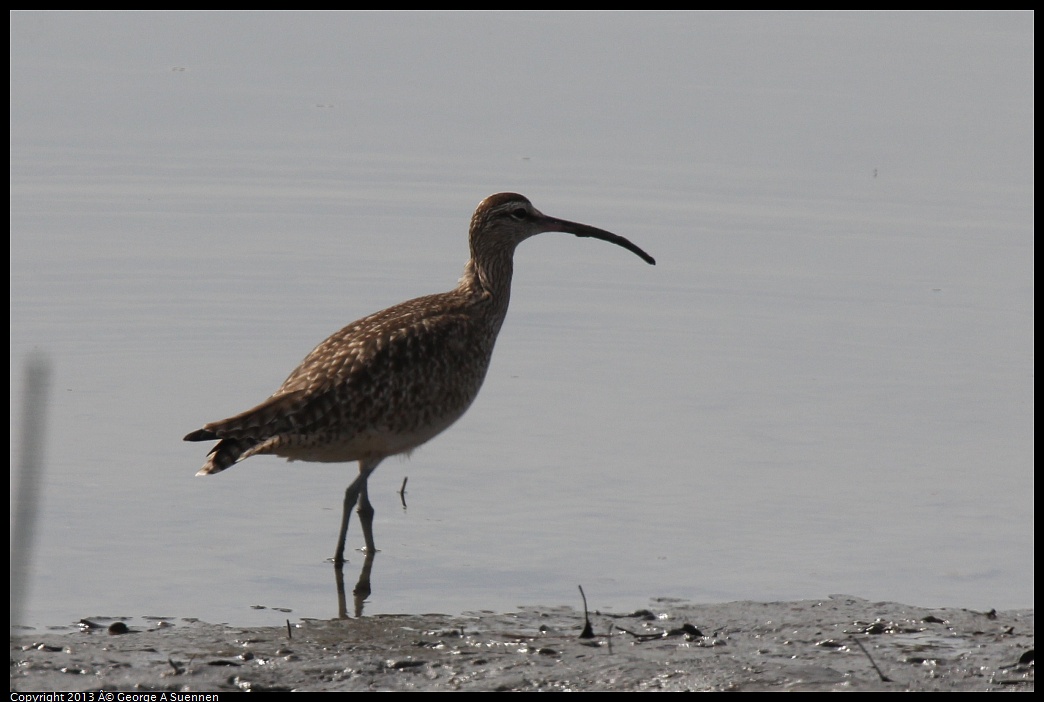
(224, 454)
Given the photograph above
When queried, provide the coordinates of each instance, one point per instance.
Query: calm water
(825, 385)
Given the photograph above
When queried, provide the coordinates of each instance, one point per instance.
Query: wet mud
(834, 644)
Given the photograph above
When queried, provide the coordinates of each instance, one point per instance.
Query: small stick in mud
(884, 678)
(587, 633)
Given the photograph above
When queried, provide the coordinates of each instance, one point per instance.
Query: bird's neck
(489, 281)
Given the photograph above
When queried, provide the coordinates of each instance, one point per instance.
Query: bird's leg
(351, 495)
(366, 519)
(356, 494)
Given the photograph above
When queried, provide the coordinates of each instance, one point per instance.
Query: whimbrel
(389, 382)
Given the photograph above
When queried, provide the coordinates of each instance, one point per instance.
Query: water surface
(825, 385)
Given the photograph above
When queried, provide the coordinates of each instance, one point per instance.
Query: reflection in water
(361, 590)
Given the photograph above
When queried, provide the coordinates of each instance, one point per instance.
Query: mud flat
(838, 643)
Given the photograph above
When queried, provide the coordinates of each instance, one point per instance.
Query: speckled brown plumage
(391, 381)
(380, 386)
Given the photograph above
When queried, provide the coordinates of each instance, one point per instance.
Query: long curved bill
(554, 224)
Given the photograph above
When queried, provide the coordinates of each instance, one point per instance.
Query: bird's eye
(519, 213)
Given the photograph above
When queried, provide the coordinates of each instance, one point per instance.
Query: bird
(390, 382)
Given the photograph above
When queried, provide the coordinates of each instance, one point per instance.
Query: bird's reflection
(359, 593)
